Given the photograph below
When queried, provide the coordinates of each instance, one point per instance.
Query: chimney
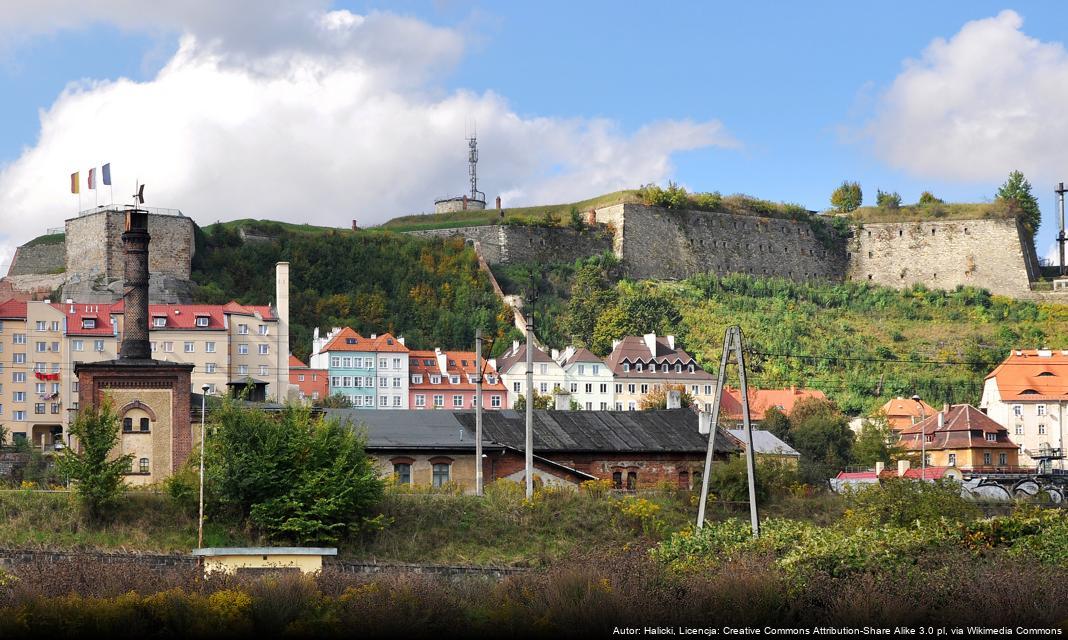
(879, 466)
(555, 354)
(355, 227)
(615, 343)
(401, 340)
(465, 203)
(281, 350)
(945, 407)
(562, 401)
(135, 344)
(902, 468)
(498, 203)
(515, 347)
(671, 342)
(674, 399)
(650, 343)
(704, 423)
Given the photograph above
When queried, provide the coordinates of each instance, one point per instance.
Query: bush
(903, 502)
(99, 478)
(847, 197)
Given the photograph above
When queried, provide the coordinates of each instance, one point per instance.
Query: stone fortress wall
(38, 259)
(94, 244)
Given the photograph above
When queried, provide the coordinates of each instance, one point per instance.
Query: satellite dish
(139, 197)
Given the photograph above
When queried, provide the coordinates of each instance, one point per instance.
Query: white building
(1028, 393)
(512, 365)
(586, 378)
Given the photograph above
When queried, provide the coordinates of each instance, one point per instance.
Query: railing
(159, 211)
(51, 231)
(995, 470)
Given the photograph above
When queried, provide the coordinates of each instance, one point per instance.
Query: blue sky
(778, 100)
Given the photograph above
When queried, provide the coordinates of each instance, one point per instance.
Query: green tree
(820, 432)
(887, 200)
(97, 475)
(576, 221)
(847, 197)
(876, 442)
(294, 477)
(928, 198)
(657, 398)
(334, 401)
(639, 310)
(591, 293)
(777, 423)
(540, 401)
(1017, 190)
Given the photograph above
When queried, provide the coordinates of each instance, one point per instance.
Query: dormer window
(417, 378)
(691, 367)
(626, 366)
(202, 321)
(492, 379)
(454, 379)
(435, 379)
(678, 368)
(350, 340)
(389, 340)
(664, 368)
(638, 367)
(159, 321)
(88, 323)
(992, 437)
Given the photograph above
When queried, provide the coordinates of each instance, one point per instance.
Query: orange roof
(348, 340)
(295, 363)
(457, 363)
(1032, 374)
(386, 342)
(760, 400)
(907, 407)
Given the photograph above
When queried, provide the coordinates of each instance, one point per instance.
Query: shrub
(847, 197)
(903, 502)
(99, 477)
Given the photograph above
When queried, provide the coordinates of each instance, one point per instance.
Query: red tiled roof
(457, 363)
(339, 343)
(901, 411)
(760, 400)
(1033, 375)
(295, 363)
(13, 309)
(183, 316)
(387, 343)
(77, 313)
(956, 432)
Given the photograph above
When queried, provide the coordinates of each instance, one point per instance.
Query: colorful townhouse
(351, 366)
(446, 380)
(1028, 393)
(587, 378)
(641, 364)
(311, 384)
(392, 370)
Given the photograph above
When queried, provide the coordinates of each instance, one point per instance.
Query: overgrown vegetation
(99, 477)
(431, 292)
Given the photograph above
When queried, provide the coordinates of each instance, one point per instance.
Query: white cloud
(341, 120)
(974, 107)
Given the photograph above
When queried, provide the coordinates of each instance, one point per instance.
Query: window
(604, 406)
(263, 369)
(492, 379)
(630, 406)
(458, 401)
(544, 387)
(19, 358)
(596, 369)
(396, 363)
(691, 368)
(516, 387)
(209, 347)
(420, 400)
(142, 466)
(18, 338)
(209, 367)
(168, 347)
(544, 369)
(42, 325)
(396, 401)
(638, 367)
(300, 377)
(589, 406)
(383, 383)
(1041, 429)
(986, 458)
(1003, 459)
(630, 388)
(626, 367)
(144, 425)
(632, 480)
(202, 321)
(708, 389)
(396, 383)
(335, 381)
(417, 379)
(952, 459)
(645, 389)
(242, 349)
(1041, 409)
(39, 387)
(55, 387)
(127, 425)
(454, 379)
(20, 415)
(991, 437)
(402, 473)
(39, 408)
(617, 479)
(242, 369)
(41, 347)
(265, 349)
(346, 381)
(619, 388)
(574, 387)
(18, 376)
(88, 323)
(441, 474)
(98, 345)
(242, 329)
(435, 379)
(383, 401)
(678, 368)
(158, 322)
(589, 387)
(495, 402)
(1019, 429)
(1017, 409)
(78, 345)
(188, 346)
(439, 400)
(262, 329)
(582, 369)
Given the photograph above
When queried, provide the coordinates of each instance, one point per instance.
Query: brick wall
(652, 468)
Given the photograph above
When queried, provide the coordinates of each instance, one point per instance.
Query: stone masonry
(510, 244)
(38, 259)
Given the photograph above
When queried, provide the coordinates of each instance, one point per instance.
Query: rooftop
(1032, 374)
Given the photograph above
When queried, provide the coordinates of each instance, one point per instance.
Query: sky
(325, 111)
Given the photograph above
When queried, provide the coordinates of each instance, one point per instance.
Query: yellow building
(963, 437)
(255, 560)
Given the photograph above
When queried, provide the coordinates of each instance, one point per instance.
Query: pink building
(446, 380)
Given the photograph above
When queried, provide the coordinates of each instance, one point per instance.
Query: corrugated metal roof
(765, 442)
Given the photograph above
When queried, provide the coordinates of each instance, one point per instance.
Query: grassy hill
(934, 211)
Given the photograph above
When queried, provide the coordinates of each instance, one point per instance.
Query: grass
(929, 212)
(422, 222)
(54, 238)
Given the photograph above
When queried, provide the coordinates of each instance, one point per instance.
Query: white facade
(1034, 425)
(548, 374)
(588, 379)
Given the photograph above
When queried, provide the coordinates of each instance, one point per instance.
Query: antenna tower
(472, 168)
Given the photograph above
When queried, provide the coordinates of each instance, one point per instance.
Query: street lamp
(923, 438)
(200, 523)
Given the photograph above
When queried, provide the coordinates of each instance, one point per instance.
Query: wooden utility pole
(732, 341)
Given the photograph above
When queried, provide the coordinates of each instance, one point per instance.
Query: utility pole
(529, 443)
(732, 341)
(1060, 236)
(478, 411)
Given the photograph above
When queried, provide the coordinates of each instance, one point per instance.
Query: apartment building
(512, 365)
(32, 346)
(351, 367)
(392, 371)
(446, 380)
(965, 438)
(1028, 393)
(587, 378)
(641, 364)
(311, 384)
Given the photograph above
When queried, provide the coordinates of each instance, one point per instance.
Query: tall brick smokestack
(135, 344)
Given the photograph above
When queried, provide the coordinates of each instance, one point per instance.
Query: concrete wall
(38, 259)
(990, 254)
(94, 245)
(661, 243)
(508, 244)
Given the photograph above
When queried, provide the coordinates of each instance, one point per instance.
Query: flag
(74, 183)
(92, 178)
(105, 173)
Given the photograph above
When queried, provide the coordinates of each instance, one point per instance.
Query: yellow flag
(74, 183)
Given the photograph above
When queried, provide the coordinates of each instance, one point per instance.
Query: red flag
(92, 178)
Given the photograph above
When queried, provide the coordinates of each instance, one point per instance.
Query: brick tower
(151, 397)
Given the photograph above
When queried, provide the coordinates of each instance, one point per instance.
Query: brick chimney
(674, 399)
(135, 344)
(562, 401)
(498, 203)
